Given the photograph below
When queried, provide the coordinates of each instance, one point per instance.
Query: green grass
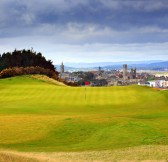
(39, 116)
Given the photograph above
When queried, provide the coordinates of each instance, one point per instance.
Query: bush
(15, 71)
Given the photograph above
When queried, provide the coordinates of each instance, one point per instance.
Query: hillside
(37, 116)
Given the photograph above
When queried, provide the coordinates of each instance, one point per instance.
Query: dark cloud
(120, 15)
(117, 14)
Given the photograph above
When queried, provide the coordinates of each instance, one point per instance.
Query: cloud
(120, 15)
(95, 52)
(82, 33)
(90, 27)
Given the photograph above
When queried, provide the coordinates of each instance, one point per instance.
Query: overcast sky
(86, 30)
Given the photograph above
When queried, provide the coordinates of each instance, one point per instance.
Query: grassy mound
(37, 116)
(47, 79)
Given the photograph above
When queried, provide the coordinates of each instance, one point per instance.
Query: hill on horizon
(140, 65)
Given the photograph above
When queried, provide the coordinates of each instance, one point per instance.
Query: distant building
(125, 77)
(62, 68)
(100, 71)
(143, 83)
(165, 84)
(133, 73)
(159, 83)
(155, 83)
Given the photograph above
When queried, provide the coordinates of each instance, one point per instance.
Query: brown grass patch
(48, 80)
(16, 157)
(132, 154)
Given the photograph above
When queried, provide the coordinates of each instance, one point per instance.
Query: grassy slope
(37, 116)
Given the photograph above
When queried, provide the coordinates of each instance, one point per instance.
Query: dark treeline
(24, 58)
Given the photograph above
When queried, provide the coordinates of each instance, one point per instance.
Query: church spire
(62, 68)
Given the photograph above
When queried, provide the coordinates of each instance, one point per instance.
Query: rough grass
(36, 116)
(47, 79)
(131, 154)
(6, 156)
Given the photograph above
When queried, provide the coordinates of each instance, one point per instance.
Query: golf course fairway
(40, 116)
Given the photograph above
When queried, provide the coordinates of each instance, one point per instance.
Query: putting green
(36, 115)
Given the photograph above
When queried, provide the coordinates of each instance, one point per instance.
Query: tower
(99, 70)
(133, 73)
(62, 68)
(125, 72)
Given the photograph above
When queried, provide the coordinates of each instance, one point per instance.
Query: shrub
(15, 71)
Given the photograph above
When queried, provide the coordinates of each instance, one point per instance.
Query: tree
(24, 58)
